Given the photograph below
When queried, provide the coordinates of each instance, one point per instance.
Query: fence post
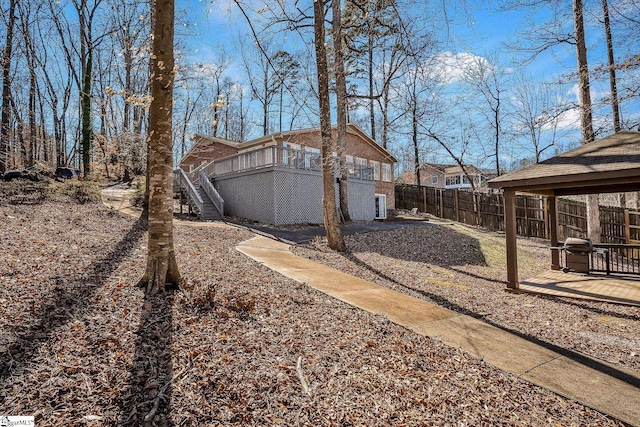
(424, 196)
(526, 217)
(545, 215)
(627, 228)
(457, 205)
(441, 203)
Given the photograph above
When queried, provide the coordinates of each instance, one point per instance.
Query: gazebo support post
(552, 208)
(510, 231)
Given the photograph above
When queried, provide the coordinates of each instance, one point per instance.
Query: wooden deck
(598, 287)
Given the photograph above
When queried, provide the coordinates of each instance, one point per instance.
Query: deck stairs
(200, 194)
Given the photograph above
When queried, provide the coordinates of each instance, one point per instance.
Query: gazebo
(607, 165)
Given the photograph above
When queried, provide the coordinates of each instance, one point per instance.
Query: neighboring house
(448, 176)
(277, 178)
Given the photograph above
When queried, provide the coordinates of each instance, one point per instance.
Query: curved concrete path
(608, 389)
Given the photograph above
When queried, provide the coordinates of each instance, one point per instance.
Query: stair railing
(211, 191)
(192, 193)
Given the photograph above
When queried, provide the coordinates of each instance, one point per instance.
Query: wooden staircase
(200, 194)
(209, 210)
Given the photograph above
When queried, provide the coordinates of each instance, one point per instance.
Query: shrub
(79, 191)
(137, 199)
(22, 191)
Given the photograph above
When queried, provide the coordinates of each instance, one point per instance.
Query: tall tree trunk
(414, 136)
(372, 110)
(586, 119)
(612, 72)
(85, 102)
(341, 108)
(265, 105)
(496, 117)
(331, 223)
(5, 129)
(162, 268)
(33, 145)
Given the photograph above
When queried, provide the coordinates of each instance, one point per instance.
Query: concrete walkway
(608, 389)
(305, 234)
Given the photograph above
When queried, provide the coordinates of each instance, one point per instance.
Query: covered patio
(607, 165)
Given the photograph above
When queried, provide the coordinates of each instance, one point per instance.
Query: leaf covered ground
(240, 345)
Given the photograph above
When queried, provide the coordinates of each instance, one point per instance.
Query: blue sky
(480, 31)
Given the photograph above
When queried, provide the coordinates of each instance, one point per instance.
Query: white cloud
(451, 67)
(596, 94)
(570, 119)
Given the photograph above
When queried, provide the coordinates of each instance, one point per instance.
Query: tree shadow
(68, 302)
(451, 248)
(444, 302)
(587, 307)
(148, 399)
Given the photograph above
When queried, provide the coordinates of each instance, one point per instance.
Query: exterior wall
(362, 203)
(356, 147)
(205, 152)
(298, 197)
(249, 195)
(282, 196)
(427, 174)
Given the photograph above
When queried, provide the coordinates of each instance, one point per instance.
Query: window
(453, 180)
(361, 162)
(376, 169)
(434, 179)
(289, 153)
(386, 172)
(350, 167)
(311, 158)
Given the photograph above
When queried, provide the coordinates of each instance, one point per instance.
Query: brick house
(295, 150)
(448, 176)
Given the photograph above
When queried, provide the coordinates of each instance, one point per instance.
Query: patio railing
(615, 258)
(276, 156)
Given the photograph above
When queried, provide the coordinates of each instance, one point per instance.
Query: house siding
(282, 196)
(356, 148)
(358, 145)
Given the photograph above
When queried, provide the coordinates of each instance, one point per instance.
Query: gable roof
(609, 164)
(351, 128)
(205, 139)
(440, 167)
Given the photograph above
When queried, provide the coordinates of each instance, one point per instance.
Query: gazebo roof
(610, 164)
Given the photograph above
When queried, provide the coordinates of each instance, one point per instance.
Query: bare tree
(615, 107)
(487, 79)
(586, 119)
(536, 115)
(7, 57)
(162, 268)
(335, 239)
(371, 27)
(341, 106)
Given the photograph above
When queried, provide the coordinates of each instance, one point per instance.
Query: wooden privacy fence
(619, 225)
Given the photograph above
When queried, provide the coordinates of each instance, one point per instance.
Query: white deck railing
(211, 191)
(275, 156)
(193, 194)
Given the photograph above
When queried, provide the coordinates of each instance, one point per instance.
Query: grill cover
(575, 244)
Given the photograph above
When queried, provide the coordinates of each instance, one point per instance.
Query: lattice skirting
(281, 196)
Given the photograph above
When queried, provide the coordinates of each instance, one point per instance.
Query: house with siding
(448, 176)
(277, 178)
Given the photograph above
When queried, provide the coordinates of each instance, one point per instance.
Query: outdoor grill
(577, 253)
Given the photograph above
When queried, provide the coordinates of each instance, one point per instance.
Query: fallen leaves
(237, 347)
